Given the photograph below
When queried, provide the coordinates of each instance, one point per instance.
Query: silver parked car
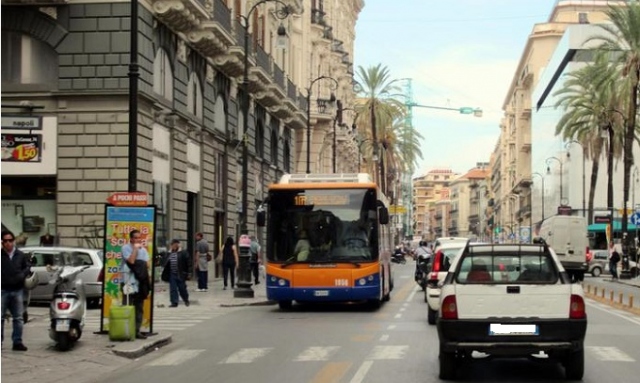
(41, 257)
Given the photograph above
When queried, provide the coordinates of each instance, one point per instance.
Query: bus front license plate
(321, 293)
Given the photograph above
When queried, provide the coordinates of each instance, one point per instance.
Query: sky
(458, 53)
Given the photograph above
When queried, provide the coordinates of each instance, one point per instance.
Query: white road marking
(398, 316)
(388, 352)
(384, 338)
(391, 327)
(410, 297)
(175, 357)
(402, 309)
(247, 355)
(316, 354)
(362, 372)
(613, 311)
(610, 354)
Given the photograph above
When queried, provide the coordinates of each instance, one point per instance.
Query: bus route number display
(321, 199)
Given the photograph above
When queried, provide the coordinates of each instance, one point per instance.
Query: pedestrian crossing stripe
(247, 355)
(316, 354)
(388, 352)
(175, 357)
(610, 354)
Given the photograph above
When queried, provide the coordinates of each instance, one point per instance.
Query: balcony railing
(222, 14)
(278, 75)
(302, 101)
(263, 59)
(291, 91)
(240, 32)
(317, 17)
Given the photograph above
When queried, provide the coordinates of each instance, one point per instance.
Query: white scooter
(68, 307)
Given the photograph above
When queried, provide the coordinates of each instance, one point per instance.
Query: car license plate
(513, 329)
(321, 293)
(62, 325)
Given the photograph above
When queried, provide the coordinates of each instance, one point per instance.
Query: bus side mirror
(383, 215)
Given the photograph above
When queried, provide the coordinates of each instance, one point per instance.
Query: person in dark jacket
(230, 261)
(178, 264)
(15, 268)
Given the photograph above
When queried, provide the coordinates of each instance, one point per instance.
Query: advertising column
(126, 212)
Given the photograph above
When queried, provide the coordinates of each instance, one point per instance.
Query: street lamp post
(133, 98)
(584, 179)
(635, 179)
(244, 289)
(561, 173)
(338, 121)
(542, 194)
(332, 99)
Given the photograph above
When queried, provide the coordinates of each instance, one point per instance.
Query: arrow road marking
(388, 352)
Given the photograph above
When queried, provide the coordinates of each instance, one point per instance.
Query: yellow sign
(629, 211)
(397, 209)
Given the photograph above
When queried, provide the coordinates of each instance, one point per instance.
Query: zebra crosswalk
(333, 353)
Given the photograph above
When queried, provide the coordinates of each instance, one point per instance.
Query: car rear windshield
(506, 267)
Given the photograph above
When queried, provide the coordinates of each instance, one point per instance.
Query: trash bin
(122, 323)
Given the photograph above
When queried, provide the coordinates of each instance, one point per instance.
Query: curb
(259, 303)
(126, 351)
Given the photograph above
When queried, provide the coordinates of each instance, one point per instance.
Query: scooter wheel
(63, 341)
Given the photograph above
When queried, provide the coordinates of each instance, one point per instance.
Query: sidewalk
(95, 346)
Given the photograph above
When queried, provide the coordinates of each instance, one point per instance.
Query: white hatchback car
(444, 254)
(511, 301)
(71, 256)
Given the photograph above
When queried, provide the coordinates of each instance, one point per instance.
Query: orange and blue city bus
(328, 240)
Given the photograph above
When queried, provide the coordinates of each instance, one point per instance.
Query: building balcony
(525, 142)
(182, 15)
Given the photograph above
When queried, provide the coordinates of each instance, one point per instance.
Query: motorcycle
(398, 258)
(423, 266)
(68, 307)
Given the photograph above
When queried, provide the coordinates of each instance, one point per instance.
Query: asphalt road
(351, 344)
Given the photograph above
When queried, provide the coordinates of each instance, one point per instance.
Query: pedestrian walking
(131, 285)
(15, 269)
(255, 259)
(230, 261)
(201, 261)
(178, 264)
(613, 264)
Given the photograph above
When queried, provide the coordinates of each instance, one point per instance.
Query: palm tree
(622, 36)
(588, 97)
(375, 111)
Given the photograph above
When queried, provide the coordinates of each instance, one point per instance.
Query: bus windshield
(322, 226)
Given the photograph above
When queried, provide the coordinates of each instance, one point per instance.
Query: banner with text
(21, 147)
(119, 221)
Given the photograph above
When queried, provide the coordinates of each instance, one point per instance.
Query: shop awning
(601, 227)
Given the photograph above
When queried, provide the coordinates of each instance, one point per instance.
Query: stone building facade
(66, 65)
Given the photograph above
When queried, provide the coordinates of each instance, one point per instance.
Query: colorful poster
(21, 147)
(119, 222)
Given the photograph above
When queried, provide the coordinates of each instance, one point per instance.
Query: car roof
(56, 248)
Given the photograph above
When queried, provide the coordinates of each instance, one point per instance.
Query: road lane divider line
(384, 338)
(398, 316)
(391, 327)
(316, 353)
(362, 372)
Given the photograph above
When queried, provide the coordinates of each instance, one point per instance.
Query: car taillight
(101, 275)
(433, 276)
(588, 255)
(577, 308)
(64, 305)
(437, 261)
(449, 307)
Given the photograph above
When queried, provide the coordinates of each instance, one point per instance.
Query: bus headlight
(370, 278)
(282, 282)
(362, 281)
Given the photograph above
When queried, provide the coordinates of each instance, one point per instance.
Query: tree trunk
(628, 146)
(595, 167)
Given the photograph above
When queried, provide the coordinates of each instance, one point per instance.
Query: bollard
(631, 301)
(611, 295)
(620, 298)
(588, 289)
(595, 291)
(602, 292)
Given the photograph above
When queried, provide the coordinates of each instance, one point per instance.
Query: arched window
(219, 115)
(274, 147)
(163, 75)
(260, 139)
(194, 96)
(26, 60)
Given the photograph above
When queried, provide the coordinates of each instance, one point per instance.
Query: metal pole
(335, 121)
(584, 183)
(542, 198)
(245, 128)
(309, 129)
(133, 98)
